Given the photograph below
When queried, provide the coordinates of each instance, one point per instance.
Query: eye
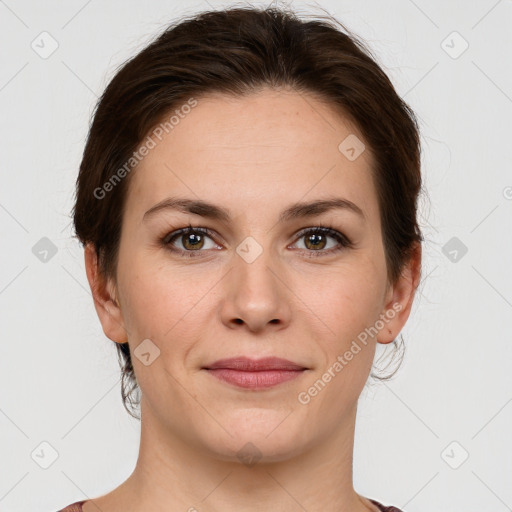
(316, 240)
(189, 240)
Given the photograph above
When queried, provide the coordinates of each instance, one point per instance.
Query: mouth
(255, 374)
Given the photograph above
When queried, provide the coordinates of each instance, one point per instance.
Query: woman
(247, 205)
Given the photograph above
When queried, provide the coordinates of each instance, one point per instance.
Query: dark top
(77, 507)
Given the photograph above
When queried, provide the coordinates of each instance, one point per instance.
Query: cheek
(346, 300)
(167, 307)
(348, 303)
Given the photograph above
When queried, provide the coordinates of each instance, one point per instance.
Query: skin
(255, 156)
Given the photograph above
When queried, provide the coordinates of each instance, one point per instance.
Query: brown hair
(238, 51)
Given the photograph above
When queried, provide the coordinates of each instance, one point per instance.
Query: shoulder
(385, 508)
(74, 507)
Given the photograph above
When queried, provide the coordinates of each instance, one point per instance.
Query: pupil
(193, 240)
(311, 239)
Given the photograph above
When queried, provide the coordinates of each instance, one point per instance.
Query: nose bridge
(252, 271)
(255, 296)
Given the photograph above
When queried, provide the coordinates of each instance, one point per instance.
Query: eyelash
(343, 241)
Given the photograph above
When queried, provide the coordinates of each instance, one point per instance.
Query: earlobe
(105, 300)
(400, 299)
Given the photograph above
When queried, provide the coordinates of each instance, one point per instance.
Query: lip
(247, 364)
(255, 373)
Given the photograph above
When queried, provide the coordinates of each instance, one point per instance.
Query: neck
(172, 474)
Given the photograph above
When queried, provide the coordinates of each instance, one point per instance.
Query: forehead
(274, 145)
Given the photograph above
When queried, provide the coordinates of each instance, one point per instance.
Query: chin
(256, 437)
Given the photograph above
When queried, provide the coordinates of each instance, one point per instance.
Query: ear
(399, 298)
(103, 293)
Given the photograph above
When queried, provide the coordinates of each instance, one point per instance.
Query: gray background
(436, 437)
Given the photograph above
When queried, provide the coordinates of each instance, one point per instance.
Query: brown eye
(192, 241)
(315, 241)
(189, 240)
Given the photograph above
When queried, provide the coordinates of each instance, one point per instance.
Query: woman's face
(259, 283)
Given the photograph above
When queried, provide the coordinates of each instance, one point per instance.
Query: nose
(256, 295)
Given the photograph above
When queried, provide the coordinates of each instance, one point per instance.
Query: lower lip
(255, 380)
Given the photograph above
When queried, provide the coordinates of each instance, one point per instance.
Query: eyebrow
(212, 211)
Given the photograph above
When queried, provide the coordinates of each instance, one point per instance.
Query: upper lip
(243, 363)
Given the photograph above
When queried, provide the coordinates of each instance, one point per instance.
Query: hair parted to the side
(238, 51)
